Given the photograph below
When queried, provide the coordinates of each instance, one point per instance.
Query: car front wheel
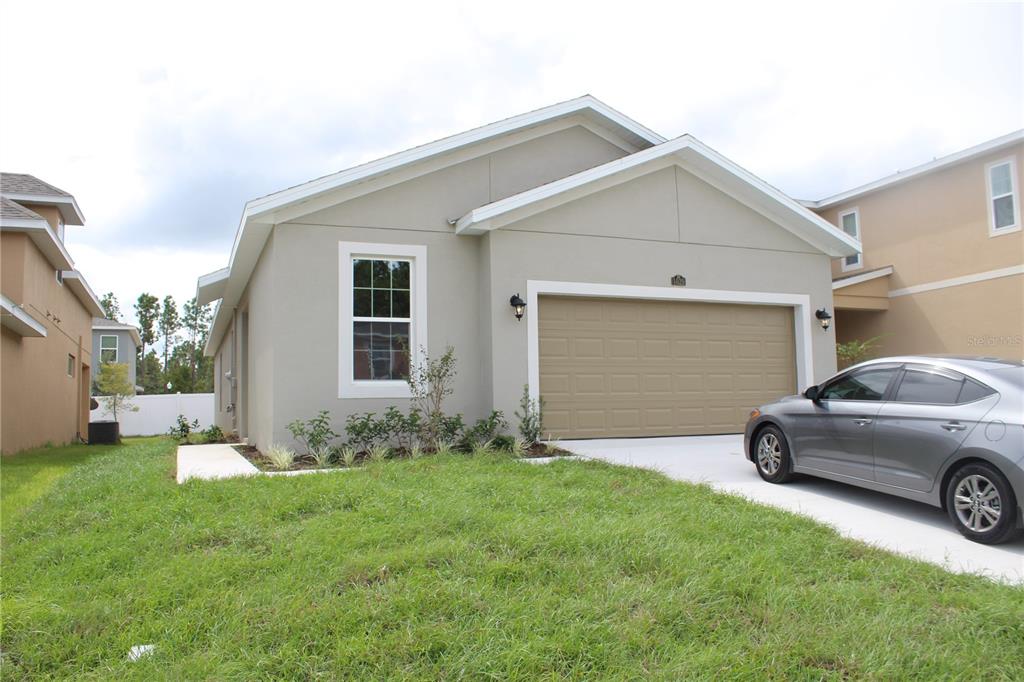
(771, 455)
(981, 504)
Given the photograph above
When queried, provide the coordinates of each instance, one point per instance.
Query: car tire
(771, 455)
(981, 504)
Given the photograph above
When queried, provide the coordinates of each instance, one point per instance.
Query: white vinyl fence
(158, 413)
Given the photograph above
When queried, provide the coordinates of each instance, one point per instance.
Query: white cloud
(163, 121)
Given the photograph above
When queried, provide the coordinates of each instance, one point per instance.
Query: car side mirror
(811, 393)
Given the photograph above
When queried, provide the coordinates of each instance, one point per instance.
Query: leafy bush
(530, 416)
(430, 382)
(401, 429)
(365, 431)
(314, 434)
(505, 442)
(115, 391)
(280, 456)
(483, 431)
(182, 428)
(854, 351)
(214, 434)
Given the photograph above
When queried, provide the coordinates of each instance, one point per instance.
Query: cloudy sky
(163, 119)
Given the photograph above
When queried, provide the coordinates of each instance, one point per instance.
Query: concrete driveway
(916, 530)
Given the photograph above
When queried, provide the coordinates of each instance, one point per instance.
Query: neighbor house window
(108, 348)
(60, 277)
(1003, 209)
(383, 317)
(850, 222)
(71, 365)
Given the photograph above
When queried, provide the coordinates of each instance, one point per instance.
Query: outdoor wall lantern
(519, 305)
(824, 319)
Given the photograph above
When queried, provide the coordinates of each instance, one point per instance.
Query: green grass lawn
(460, 567)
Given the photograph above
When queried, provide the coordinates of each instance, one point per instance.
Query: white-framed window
(60, 277)
(71, 365)
(1003, 200)
(849, 221)
(382, 317)
(108, 348)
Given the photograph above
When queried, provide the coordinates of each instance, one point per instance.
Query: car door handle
(863, 421)
(953, 426)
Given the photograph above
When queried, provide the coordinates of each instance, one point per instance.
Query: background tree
(196, 322)
(151, 375)
(169, 325)
(116, 392)
(111, 308)
(147, 311)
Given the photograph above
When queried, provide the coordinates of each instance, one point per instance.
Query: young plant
(115, 391)
(322, 455)
(519, 446)
(182, 429)
(280, 456)
(430, 382)
(314, 434)
(484, 431)
(401, 429)
(530, 416)
(348, 456)
(854, 351)
(365, 431)
(415, 452)
(379, 452)
(443, 447)
(214, 434)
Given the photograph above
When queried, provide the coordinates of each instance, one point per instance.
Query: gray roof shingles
(23, 183)
(13, 210)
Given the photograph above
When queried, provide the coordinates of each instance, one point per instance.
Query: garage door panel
(618, 367)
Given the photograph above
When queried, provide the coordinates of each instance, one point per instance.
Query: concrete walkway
(909, 528)
(218, 460)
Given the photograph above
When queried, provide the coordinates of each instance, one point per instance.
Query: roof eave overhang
(68, 207)
(42, 236)
(210, 286)
(694, 157)
(74, 280)
(132, 331)
(19, 320)
(851, 280)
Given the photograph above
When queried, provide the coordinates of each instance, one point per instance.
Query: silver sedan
(946, 431)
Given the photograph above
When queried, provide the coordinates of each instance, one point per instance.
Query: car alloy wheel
(977, 503)
(769, 454)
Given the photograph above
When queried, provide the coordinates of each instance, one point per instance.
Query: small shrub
(450, 429)
(379, 452)
(322, 455)
(530, 416)
(315, 433)
(519, 446)
(182, 428)
(443, 447)
(214, 434)
(854, 351)
(401, 429)
(505, 442)
(280, 456)
(430, 382)
(348, 456)
(484, 431)
(415, 452)
(365, 431)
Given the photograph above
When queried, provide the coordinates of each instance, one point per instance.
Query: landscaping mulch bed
(541, 450)
(303, 462)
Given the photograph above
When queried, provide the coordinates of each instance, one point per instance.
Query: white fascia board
(82, 290)
(210, 286)
(693, 156)
(67, 206)
(19, 320)
(132, 331)
(866, 277)
(917, 171)
(43, 237)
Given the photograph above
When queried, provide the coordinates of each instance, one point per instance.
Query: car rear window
(919, 386)
(972, 391)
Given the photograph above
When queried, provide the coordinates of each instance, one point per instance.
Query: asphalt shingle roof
(104, 322)
(23, 183)
(14, 210)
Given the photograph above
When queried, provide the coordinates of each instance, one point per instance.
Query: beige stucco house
(942, 268)
(46, 310)
(667, 289)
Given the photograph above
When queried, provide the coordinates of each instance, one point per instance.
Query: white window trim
(801, 304)
(70, 369)
(116, 349)
(860, 256)
(347, 251)
(993, 231)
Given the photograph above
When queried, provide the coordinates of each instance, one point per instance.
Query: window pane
(853, 260)
(400, 274)
(361, 337)
(361, 365)
(400, 365)
(867, 384)
(108, 355)
(400, 304)
(381, 303)
(400, 336)
(928, 387)
(972, 391)
(1003, 209)
(361, 302)
(1001, 180)
(361, 273)
(381, 338)
(108, 342)
(850, 224)
(381, 275)
(380, 364)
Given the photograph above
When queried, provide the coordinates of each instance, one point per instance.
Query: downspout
(78, 392)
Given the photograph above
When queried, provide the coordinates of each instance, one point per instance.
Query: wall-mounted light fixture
(519, 305)
(824, 318)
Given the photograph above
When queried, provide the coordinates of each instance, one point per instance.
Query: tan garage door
(621, 367)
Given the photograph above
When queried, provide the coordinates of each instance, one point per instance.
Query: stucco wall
(33, 371)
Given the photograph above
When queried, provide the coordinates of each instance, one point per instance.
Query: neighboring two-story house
(942, 267)
(46, 311)
(114, 341)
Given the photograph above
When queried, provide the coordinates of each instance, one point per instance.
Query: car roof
(978, 367)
